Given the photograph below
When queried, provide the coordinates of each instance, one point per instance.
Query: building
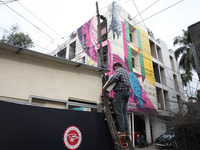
(33, 78)
(37, 96)
(156, 87)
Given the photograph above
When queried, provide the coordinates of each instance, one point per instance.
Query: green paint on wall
(141, 55)
(139, 39)
(142, 64)
(130, 63)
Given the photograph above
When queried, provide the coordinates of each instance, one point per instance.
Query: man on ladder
(121, 89)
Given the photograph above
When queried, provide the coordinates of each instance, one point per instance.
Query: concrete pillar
(129, 123)
(68, 48)
(131, 127)
(133, 130)
(148, 129)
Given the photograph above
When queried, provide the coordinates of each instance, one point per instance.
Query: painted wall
(143, 97)
(23, 75)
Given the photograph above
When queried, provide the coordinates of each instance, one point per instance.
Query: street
(151, 147)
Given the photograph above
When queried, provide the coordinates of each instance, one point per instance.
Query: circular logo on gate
(72, 137)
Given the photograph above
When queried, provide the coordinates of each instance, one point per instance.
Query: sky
(49, 22)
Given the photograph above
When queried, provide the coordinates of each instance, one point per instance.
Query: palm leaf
(179, 51)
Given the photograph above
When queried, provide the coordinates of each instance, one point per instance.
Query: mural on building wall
(88, 32)
(139, 100)
(115, 25)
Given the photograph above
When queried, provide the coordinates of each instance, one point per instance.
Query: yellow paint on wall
(147, 58)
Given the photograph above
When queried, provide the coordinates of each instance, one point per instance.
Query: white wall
(158, 127)
(23, 75)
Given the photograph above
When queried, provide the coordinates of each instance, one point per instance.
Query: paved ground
(151, 147)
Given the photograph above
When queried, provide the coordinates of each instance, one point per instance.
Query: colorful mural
(146, 55)
(139, 100)
(115, 25)
(87, 31)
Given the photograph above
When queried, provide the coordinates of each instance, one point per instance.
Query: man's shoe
(121, 134)
(127, 133)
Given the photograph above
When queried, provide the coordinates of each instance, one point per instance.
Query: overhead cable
(40, 20)
(27, 20)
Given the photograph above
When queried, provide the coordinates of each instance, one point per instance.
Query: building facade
(33, 78)
(156, 87)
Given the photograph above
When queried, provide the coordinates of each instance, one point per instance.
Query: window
(153, 49)
(84, 39)
(47, 102)
(133, 62)
(163, 77)
(105, 57)
(72, 50)
(166, 98)
(172, 62)
(83, 60)
(131, 37)
(176, 82)
(82, 106)
(159, 98)
(62, 53)
(156, 72)
(159, 53)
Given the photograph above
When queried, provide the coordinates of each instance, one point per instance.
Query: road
(151, 147)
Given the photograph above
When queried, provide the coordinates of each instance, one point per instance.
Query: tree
(197, 98)
(186, 62)
(17, 38)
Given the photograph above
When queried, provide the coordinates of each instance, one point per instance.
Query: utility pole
(100, 41)
(99, 35)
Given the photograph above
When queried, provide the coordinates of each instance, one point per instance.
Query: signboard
(24, 127)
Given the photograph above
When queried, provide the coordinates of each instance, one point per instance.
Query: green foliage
(17, 38)
(186, 62)
(186, 79)
(197, 98)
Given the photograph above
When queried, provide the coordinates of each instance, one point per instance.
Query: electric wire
(25, 24)
(153, 14)
(27, 20)
(145, 9)
(8, 2)
(162, 10)
(40, 20)
(139, 14)
(37, 33)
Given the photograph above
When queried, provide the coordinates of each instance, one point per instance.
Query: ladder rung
(111, 123)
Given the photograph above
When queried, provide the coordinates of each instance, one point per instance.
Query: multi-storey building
(156, 86)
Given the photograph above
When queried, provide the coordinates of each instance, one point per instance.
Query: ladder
(112, 127)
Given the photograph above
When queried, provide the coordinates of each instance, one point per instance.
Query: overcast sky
(49, 22)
